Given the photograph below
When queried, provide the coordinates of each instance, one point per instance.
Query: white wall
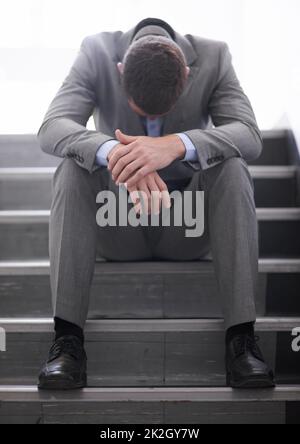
(39, 40)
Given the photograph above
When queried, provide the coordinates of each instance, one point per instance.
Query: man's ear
(188, 70)
(121, 68)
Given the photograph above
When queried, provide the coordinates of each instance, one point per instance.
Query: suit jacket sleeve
(235, 132)
(63, 132)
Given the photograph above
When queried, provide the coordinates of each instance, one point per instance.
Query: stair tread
(281, 214)
(42, 216)
(33, 173)
(266, 265)
(27, 173)
(277, 133)
(156, 394)
(30, 325)
(273, 172)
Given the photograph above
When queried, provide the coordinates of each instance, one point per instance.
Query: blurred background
(39, 40)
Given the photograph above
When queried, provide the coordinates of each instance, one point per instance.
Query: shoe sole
(256, 382)
(60, 384)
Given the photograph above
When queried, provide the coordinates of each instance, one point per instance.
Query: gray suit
(213, 95)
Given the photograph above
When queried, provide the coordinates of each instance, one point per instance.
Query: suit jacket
(213, 111)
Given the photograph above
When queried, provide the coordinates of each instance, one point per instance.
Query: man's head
(154, 75)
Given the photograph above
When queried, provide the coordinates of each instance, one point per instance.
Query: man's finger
(138, 208)
(139, 175)
(135, 197)
(121, 165)
(124, 174)
(124, 138)
(145, 197)
(166, 199)
(155, 196)
(118, 154)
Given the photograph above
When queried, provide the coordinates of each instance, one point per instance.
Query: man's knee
(69, 177)
(235, 173)
(231, 180)
(234, 165)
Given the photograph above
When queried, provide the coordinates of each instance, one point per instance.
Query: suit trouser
(231, 235)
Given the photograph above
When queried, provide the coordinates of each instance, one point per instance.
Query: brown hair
(154, 74)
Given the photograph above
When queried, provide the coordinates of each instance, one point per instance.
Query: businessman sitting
(170, 114)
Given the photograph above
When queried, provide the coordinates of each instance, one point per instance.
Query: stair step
(273, 172)
(155, 345)
(25, 404)
(42, 216)
(30, 188)
(275, 186)
(25, 393)
(25, 188)
(271, 265)
(46, 173)
(146, 352)
(149, 290)
(24, 151)
(267, 324)
(278, 214)
(24, 234)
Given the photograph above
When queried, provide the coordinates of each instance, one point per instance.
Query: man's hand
(149, 194)
(138, 156)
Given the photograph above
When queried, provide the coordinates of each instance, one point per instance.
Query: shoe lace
(246, 343)
(66, 345)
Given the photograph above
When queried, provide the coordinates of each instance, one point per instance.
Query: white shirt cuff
(191, 151)
(103, 152)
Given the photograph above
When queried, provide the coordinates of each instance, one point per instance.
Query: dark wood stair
(155, 337)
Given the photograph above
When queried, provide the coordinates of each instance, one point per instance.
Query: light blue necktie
(153, 127)
(170, 174)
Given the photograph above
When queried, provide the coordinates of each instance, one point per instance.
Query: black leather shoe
(246, 367)
(66, 366)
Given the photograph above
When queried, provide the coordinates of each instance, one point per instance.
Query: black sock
(65, 328)
(241, 329)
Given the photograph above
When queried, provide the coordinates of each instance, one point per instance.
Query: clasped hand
(135, 162)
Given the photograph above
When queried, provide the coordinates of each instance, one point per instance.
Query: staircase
(155, 340)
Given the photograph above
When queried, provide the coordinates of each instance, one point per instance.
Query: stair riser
(275, 152)
(125, 297)
(25, 194)
(26, 241)
(144, 413)
(133, 359)
(35, 194)
(24, 151)
(272, 193)
(279, 238)
(150, 406)
(288, 368)
(283, 295)
(151, 297)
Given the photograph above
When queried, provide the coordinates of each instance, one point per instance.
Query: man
(170, 114)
